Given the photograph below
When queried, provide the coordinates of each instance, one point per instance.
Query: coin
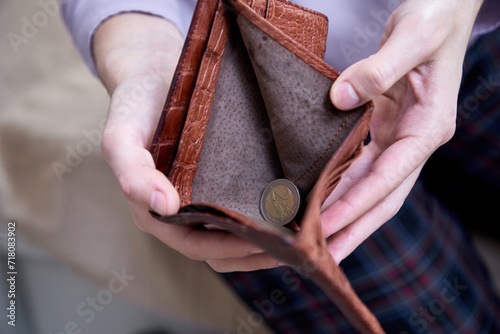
(280, 202)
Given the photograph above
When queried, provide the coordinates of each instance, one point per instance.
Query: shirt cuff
(82, 18)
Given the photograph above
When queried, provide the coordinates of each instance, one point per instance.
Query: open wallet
(251, 141)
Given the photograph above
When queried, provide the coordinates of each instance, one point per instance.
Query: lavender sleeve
(83, 17)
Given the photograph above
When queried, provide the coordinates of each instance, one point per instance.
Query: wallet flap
(307, 128)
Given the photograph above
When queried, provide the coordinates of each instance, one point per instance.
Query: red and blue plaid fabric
(419, 273)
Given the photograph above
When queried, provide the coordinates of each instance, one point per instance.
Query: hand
(414, 80)
(136, 55)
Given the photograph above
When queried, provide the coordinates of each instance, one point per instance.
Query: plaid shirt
(419, 273)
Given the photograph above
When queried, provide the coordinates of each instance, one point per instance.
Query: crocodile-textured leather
(184, 167)
(166, 139)
(304, 26)
(259, 110)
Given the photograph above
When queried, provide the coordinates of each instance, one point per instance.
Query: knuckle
(126, 187)
(142, 219)
(193, 256)
(217, 266)
(449, 133)
(190, 249)
(143, 227)
(380, 78)
(428, 35)
(394, 209)
(107, 141)
(444, 130)
(391, 207)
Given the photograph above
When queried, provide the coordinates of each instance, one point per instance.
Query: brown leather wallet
(250, 104)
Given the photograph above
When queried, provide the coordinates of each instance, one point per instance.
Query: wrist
(133, 44)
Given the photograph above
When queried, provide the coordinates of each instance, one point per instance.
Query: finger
(248, 263)
(345, 241)
(196, 243)
(374, 75)
(386, 174)
(137, 176)
(353, 174)
(135, 108)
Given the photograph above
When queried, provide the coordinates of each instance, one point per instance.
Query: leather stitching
(326, 149)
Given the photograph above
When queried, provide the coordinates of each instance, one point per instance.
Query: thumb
(373, 76)
(137, 176)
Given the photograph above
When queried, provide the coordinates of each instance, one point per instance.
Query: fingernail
(345, 96)
(157, 203)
